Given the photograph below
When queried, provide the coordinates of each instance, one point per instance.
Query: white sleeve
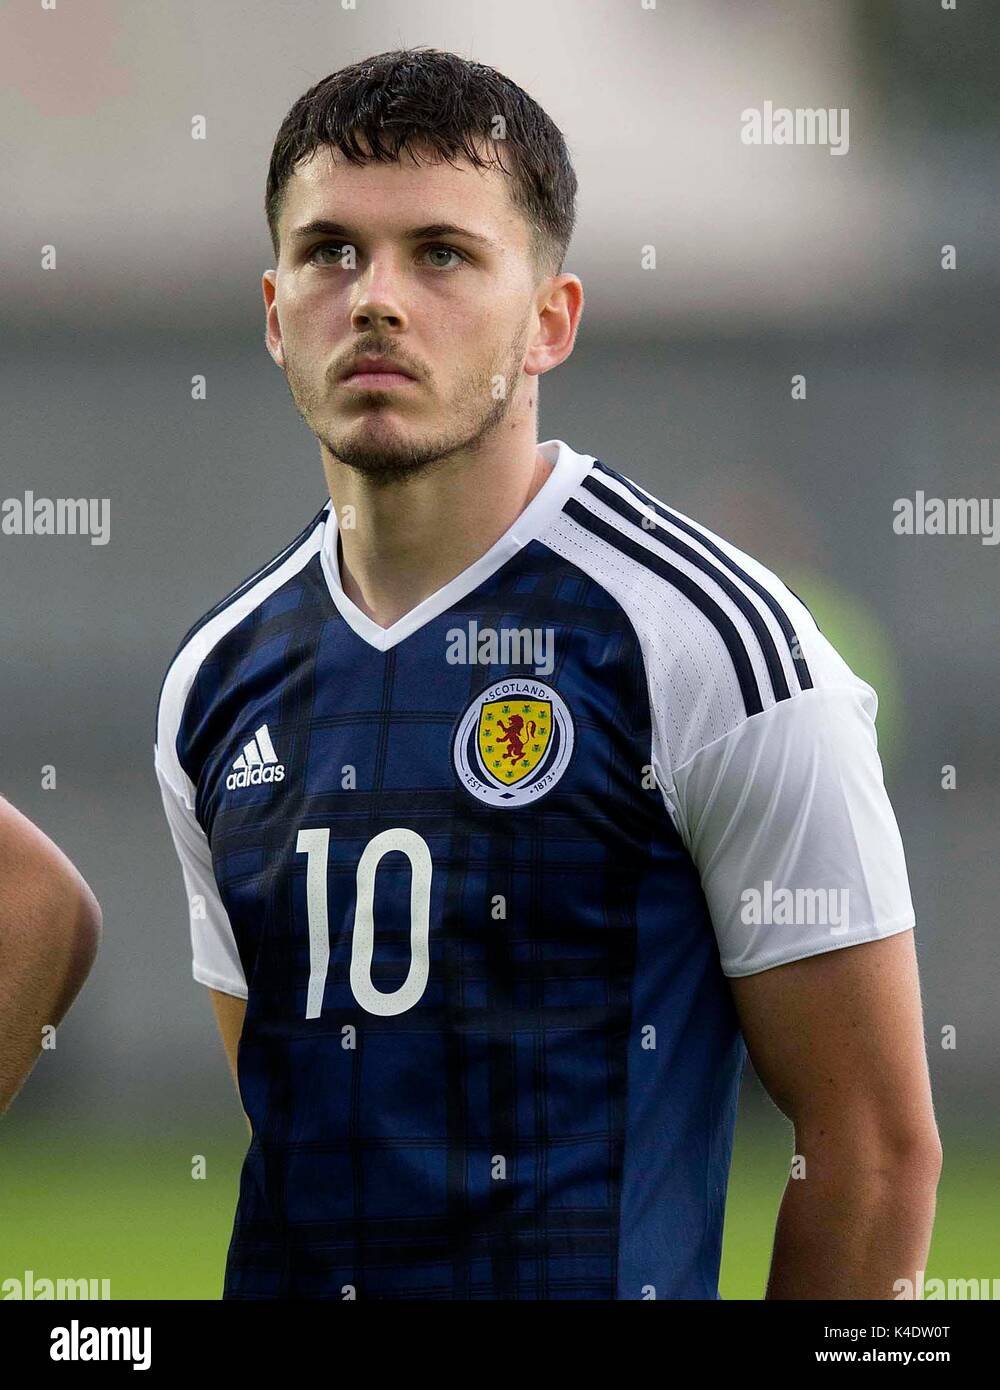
(789, 823)
(216, 960)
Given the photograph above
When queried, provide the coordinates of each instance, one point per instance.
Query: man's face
(457, 312)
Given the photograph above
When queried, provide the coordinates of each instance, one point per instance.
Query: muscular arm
(229, 1015)
(837, 1040)
(50, 928)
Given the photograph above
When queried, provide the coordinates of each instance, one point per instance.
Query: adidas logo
(257, 763)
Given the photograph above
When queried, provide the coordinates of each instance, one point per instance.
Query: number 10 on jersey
(315, 844)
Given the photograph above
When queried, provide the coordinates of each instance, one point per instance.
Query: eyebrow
(321, 225)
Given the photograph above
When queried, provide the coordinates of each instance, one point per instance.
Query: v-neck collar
(568, 469)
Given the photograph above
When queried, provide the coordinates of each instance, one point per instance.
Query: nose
(377, 305)
(374, 315)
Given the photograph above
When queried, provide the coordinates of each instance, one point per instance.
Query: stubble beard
(382, 454)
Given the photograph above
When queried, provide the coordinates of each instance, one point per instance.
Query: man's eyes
(338, 247)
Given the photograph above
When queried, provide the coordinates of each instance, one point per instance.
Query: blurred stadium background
(770, 262)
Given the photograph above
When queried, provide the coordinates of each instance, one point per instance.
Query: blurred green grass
(127, 1209)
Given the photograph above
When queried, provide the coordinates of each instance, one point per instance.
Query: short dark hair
(419, 97)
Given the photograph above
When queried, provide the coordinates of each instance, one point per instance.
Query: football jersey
(481, 877)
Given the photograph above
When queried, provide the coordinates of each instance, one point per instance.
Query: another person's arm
(50, 929)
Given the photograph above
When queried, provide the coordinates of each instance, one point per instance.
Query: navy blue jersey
(481, 878)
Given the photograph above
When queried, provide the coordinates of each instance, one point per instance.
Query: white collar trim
(569, 469)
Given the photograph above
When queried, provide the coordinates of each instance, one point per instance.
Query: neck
(408, 538)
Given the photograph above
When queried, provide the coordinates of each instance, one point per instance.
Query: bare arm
(50, 928)
(837, 1040)
(229, 1015)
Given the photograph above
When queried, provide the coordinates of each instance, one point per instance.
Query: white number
(315, 844)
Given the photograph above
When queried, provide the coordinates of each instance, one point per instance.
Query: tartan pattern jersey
(489, 1049)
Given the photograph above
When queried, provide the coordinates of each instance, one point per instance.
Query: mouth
(376, 381)
(375, 374)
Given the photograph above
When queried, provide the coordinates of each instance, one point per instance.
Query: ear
(272, 332)
(559, 307)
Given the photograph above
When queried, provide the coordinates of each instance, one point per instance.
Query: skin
(229, 1015)
(838, 1043)
(50, 929)
(439, 470)
(437, 473)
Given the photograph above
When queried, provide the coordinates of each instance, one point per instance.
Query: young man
(486, 787)
(50, 929)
